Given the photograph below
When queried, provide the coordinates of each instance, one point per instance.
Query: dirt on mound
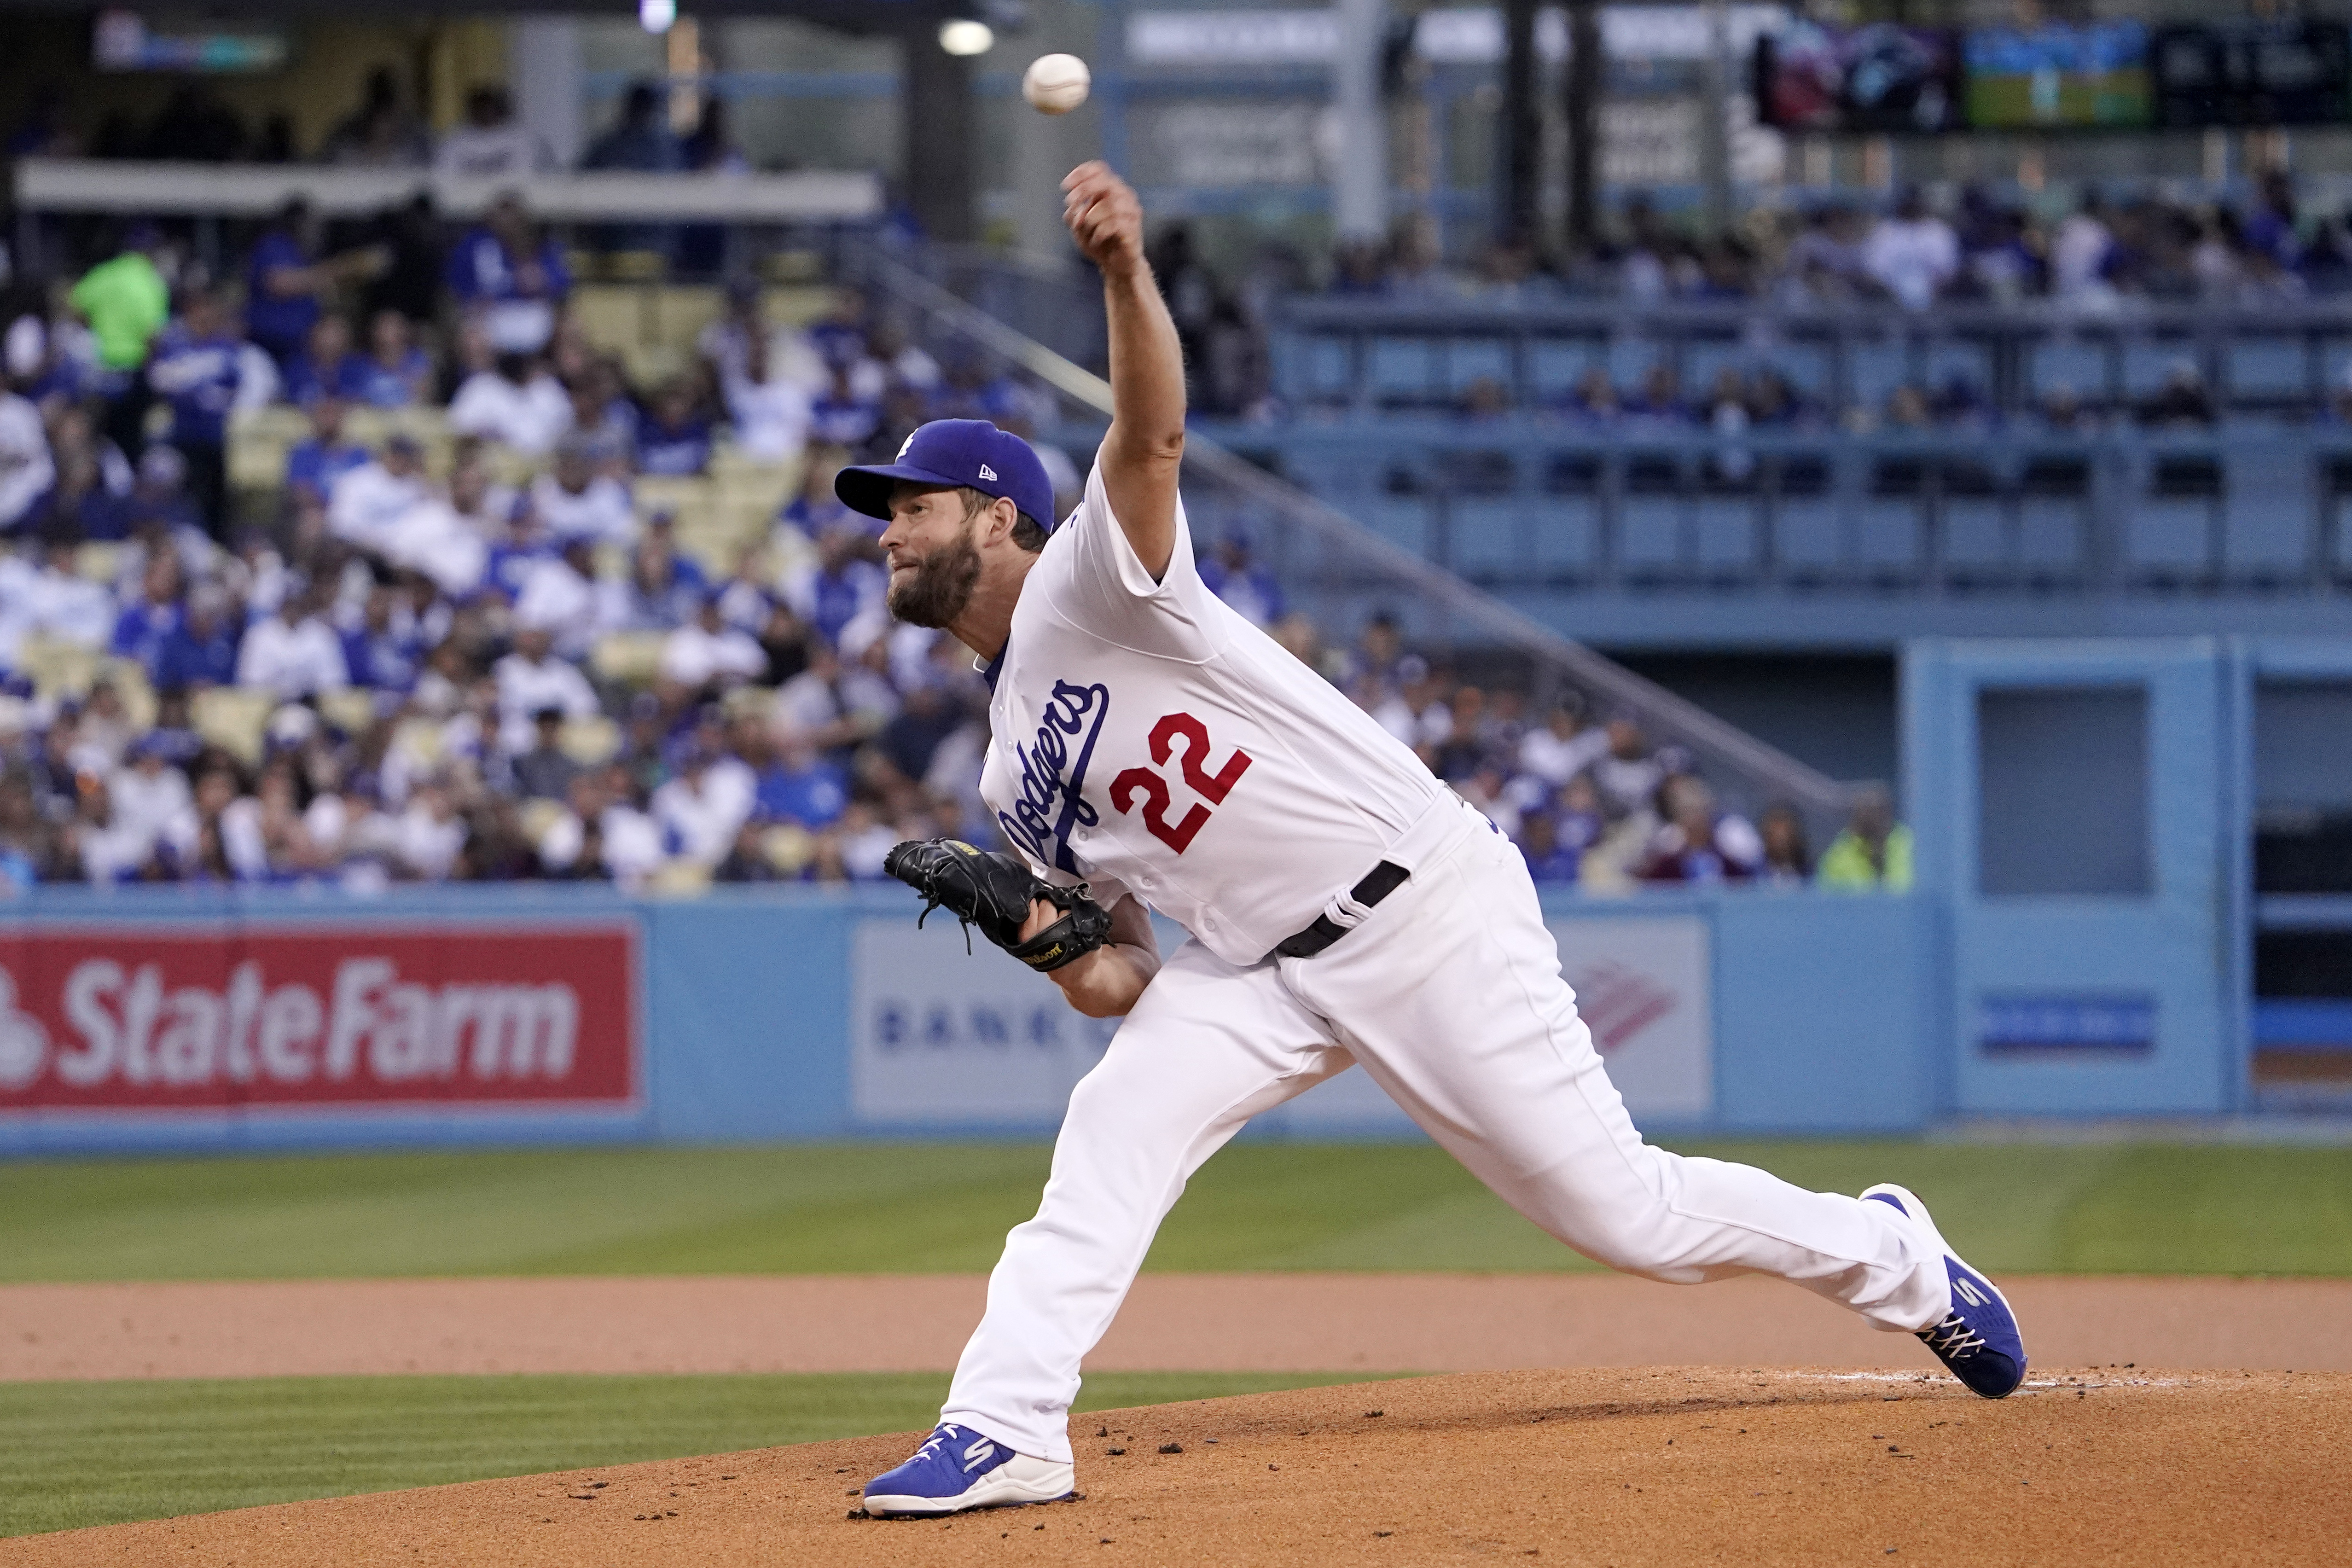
(1656, 1465)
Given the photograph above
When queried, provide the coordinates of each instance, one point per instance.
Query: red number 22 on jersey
(1153, 789)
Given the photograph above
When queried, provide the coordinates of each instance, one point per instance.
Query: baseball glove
(993, 891)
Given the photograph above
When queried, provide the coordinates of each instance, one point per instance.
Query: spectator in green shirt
(1873, 853)
(125, 301)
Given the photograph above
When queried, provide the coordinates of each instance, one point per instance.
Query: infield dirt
(1618, 1466)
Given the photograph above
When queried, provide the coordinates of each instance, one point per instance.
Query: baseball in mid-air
(1055, 84)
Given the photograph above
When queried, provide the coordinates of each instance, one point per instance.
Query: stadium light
(964, 36)
(656, 16)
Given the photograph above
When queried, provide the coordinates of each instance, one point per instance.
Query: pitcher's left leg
(1456, 1008)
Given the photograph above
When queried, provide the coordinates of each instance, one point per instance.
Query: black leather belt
(1379, 882)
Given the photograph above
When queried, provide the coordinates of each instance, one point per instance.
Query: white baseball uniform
(1151, 741)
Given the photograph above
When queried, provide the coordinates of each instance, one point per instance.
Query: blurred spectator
(578, 502)
(515, 403)
(1628, 775)
(294, 652)
(26, 470)
(1874, 852)
(532, 680)
(1562, 748)
(1549, 860)
(770, 409)
(510, 278)
(203, 650)
(707, 654)
(1249, 589)
(491, 145)
(366, 502)
(2182, 403)
(1697, 843)
(126, 303)
(314, 464)
(285, 276)
(1786, 860)
(701, 809)
(395, 373)
(640, 140)
(380, 655)
(202, 367)
(325, 366)
(381, 132)
(673, 439)
(1912, 253)
(545, 771)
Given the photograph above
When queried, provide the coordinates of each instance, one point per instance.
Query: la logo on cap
(907, 445)
(986, 472)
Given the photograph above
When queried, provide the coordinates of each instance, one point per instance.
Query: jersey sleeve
(1094, 580)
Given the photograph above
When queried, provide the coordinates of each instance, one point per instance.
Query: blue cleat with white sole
(1979, 1339)
(958, 1469)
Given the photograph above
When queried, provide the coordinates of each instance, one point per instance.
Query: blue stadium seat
(1975, 536)
(1312, 369)
(1875, 367)
(1484, 539)
(2268, 507)
(1400, 520)
(1951, 359)
(1727, 536)
(1649, 536)
(1630, 360)
(1404, 371)
(1564, 537)
(1703, 359)
(2168, 538)
(2067, 362)
(2052, 536)
(2335, 364)
(1555, 365)
(1890, 535)
(2266, 370)
(1805, 366)
(1468, 359)
(1808, 536)
(2340, 543)
(2148, 363)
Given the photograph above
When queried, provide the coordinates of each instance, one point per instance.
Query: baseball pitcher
(1154, 751)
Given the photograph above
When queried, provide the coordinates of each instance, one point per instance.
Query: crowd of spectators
(1588, 798)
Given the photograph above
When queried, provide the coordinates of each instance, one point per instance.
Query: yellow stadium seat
(683, 498)
(629, 658)
(680, 313)
(279, 421)
(58, 667)
(536, 816)
(591, 743)
(749, 702)
(350, 710)
(797, 306)
(128, 679)
(233, 718)
(97, 562)
(636, 265)
(679, 878)
(612, 316)
(420, 741)
(787, 848)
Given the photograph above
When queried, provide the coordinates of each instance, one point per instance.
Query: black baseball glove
(993, 891)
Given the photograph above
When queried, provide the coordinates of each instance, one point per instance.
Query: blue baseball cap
(952, 452)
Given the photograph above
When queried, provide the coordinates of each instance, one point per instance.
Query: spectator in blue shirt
(839, 417)
(511, 276)
(673, 440)
(198, 367)
(378, 655)
(394, 373)
(285, 276)
(817, 510)
(802, 788)
(203, 650)
(158, 498)
(313, 466)
(1549, 859)
(326, 366)
(513, 559)
(148, 622)
(1246, 588)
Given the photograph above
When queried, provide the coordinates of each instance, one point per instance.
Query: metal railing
(1338, 571)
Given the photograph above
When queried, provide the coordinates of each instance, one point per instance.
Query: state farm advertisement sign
(141, 1018)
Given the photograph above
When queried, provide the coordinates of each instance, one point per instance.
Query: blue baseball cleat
(1979, 1339)
(958, 1469)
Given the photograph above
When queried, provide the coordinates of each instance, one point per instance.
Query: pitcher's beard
(940, 587)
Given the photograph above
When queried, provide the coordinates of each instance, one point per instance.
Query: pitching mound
(1645, 1464)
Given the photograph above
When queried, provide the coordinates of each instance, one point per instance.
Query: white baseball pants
(1449, 994)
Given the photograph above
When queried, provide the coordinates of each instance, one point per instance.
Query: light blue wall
(1823, 1016)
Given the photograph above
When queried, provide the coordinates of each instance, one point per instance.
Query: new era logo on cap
(986, 472)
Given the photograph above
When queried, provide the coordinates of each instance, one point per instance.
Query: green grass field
(86, 1453)
(102, 1453)
(929, 1208)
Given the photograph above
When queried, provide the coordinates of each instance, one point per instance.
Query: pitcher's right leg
(1209, 1047)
